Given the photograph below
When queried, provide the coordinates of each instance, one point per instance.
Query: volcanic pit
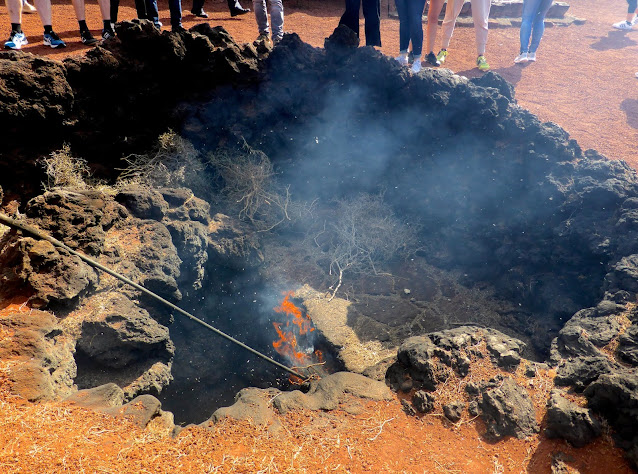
(402, 211)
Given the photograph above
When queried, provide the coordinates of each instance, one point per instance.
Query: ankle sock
(107, 25)
(47, 29)
(83, 26)
(17, 27)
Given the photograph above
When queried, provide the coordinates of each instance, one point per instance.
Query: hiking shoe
(531, 56)
(265, 39)
(108, 34)
(53, 40)
(623, 25)
(521, 58)
(431, 59)
(442, 56)
(16, 40)
(87, 38)
(416, 66)
(402, 59)
(481, 63)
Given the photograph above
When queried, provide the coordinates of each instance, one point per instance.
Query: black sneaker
(87, 38)
(431, 59)
(108, 34)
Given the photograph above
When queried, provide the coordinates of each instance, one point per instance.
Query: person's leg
(175, 7)
(530, 7)
(17, 38)
(350, 17)
(372, 15)
(447, 27)
(50, 37)
(14, 7)
(151, 12)
(628, 23)
(404, 27)
(433, 24)
(261, 15)
(415, 16)
(277, 19)
(480, 15)
(198, 7)
(539, 24)
(80, 10)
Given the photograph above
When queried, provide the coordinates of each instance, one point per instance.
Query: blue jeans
(276, 16)
(410, 24)
(533, 23)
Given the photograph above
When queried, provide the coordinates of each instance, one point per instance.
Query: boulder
(567, 420)
(120, 333)
(508, 410)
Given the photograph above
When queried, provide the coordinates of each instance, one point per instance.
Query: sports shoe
(481, 63)
(402, 59)
(108, 34)
(158, 24)
(623, 25)
(521, 58)
(635, 20)
(637, 75)
(431, 59)
(416, 66)
(53, 40)
(442, 56)
(531, 56)
(265, 39)
(16, 40)
(87, 38)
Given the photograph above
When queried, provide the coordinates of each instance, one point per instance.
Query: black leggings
(633, 4)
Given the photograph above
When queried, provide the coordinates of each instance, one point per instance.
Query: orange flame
(297, 327)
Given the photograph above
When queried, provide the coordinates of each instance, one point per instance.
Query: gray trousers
(276, 16)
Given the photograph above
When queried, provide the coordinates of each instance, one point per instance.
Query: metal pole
(33, 231)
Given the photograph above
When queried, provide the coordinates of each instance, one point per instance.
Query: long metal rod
(33, 231)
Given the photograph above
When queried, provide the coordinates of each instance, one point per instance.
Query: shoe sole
(55, 46)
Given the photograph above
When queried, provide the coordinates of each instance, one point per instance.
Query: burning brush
(296, 340)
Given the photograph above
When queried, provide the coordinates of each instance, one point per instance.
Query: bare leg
(80, 10)
(105, 9)
(14, 7)
(44, 11)
(433, 24)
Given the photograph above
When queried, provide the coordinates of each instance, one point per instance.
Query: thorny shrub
(63, 170)
(363, 234)
(173, 163)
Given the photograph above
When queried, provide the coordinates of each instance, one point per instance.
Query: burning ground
(442, 241)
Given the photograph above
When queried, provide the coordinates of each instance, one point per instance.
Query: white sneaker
(637, 75)
(521, 58)
(531, 56)
(402, 59)
(416, 66)
(623, 25)
(635, 20)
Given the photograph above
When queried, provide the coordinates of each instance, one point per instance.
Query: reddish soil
(584, 78)
(360, 436)
(583, 81)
